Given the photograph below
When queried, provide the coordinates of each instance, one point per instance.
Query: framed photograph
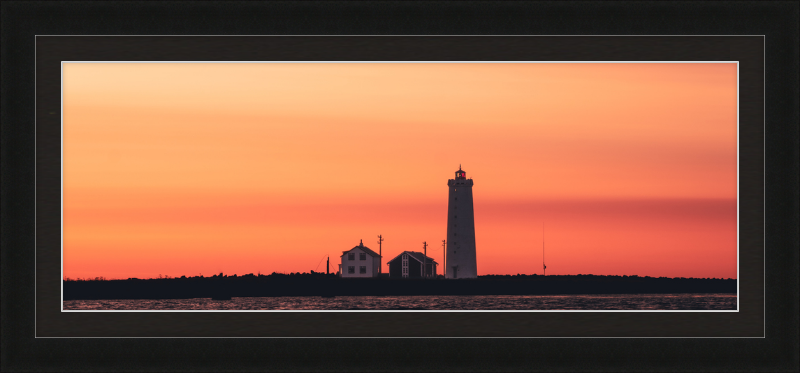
(296, 189)
(224, 177)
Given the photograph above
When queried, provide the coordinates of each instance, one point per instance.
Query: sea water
(426, 302)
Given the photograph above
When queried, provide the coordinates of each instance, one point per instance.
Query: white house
(360, 261)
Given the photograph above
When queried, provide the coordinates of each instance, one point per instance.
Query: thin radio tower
(380, 264)
(543, 265)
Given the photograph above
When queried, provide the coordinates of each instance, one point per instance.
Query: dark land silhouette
(321, 284)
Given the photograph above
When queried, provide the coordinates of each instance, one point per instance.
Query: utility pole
(424, 257)
(380, 253)
(444, 258)
(328, 266)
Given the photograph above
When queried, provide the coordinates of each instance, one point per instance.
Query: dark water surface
(427, 302)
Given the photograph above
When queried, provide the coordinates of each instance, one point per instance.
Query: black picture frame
(772, 352)
(51, 50)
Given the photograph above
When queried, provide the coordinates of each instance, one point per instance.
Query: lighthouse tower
(461, 262)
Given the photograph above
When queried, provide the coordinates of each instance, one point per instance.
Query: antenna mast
(544, 267)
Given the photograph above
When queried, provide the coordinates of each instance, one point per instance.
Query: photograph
(407, 186)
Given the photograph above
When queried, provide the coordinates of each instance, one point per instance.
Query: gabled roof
(363, 248)
(419, 256)
(416, 255)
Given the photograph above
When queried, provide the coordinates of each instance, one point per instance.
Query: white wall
(371, 263)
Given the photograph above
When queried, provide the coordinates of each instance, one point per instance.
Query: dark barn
(409, 265)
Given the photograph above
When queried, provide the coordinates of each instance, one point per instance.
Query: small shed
(409, 265)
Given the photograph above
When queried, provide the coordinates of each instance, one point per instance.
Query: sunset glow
(200, 168)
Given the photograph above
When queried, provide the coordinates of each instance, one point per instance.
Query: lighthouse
(461, 262)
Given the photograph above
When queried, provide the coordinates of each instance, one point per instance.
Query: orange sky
(200, 168)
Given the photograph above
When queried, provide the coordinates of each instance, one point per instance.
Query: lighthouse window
(362, 256)
(351, 256)
(362, 269)
(351, 269)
